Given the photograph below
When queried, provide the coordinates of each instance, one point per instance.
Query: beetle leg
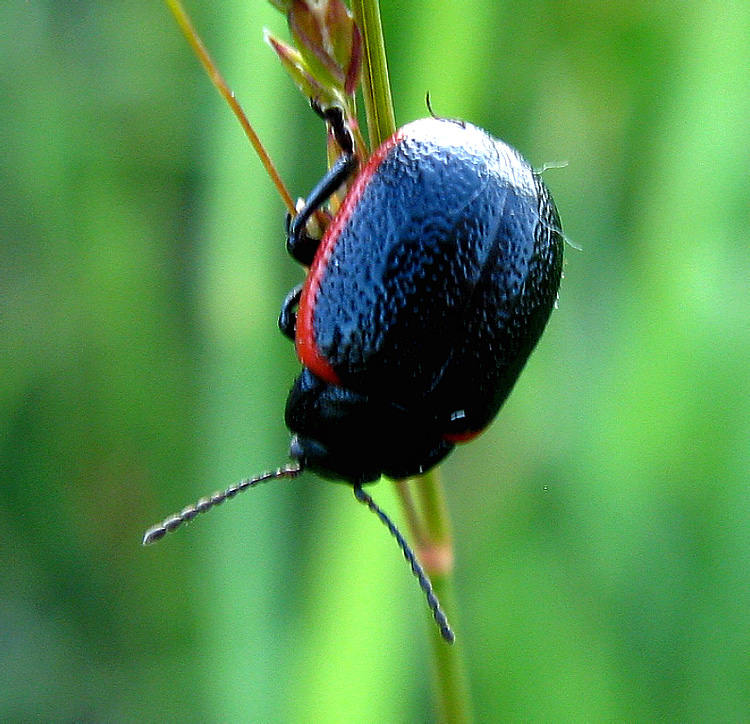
(301, 246)
(334, 117)
(288, 315)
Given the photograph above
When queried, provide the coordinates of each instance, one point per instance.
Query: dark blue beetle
(425, 297)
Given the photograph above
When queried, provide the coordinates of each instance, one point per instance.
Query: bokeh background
(602, 524)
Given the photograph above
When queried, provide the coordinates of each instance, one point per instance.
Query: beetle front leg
(288, 314)
(301, 246)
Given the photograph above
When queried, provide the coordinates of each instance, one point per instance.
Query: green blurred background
(602, 524)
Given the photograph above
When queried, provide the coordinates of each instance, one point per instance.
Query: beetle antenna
(424, 582)
(190, 33)
(157, 532)
(428, 103)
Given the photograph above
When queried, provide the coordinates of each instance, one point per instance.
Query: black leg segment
(301, 246)
(288, 315)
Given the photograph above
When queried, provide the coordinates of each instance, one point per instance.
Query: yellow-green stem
(426, 514)
(435, 549)
(451, 684)
(376, 87)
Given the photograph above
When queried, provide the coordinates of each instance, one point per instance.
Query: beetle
(425, 296)
(424, 299)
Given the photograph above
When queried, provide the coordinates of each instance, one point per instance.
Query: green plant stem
(376, 87)
(429, 525)
(434, 508)
(451, 685)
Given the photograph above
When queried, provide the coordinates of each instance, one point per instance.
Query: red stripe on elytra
(307, 349)
(461, 437)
